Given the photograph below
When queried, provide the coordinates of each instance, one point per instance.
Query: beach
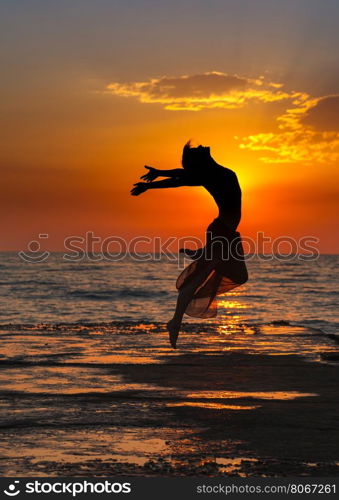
(76, 403)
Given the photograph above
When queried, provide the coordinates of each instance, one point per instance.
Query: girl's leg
(185, 296)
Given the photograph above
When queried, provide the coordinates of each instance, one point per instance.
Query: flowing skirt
(224, 249)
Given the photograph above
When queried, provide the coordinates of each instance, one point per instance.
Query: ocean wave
(81, 267)
(115, 294)
(121, 326)
(30, 283)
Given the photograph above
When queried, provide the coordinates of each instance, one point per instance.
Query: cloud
(289, 147)
(308, 133)
(203, 91)
(308, 129)
(324, 115)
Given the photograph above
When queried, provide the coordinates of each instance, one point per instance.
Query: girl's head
(195, 158)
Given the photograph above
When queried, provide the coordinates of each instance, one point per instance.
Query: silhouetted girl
(219, 266)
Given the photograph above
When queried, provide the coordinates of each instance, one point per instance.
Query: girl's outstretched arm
(154, 173)
(141, 187)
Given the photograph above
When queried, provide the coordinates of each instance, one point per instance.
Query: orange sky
(82, 115)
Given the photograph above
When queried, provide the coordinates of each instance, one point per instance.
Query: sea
(90, 291)
(84, 356)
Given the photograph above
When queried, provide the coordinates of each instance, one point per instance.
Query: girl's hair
(187, 156)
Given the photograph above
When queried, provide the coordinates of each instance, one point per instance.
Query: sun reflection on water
(278, 395)
(212, 406)
(231, 304)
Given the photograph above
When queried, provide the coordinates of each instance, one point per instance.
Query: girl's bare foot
(173, 330)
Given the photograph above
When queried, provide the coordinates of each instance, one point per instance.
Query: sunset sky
(93, 90)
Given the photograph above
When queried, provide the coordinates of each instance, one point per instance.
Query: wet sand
(193, 412)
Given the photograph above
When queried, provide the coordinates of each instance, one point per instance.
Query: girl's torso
(223, 185)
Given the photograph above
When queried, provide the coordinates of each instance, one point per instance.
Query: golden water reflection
(279, 395)
(90, 448)
(212, 406)
(68, 380)
(234, 325)
(231, 304)
(232, 465)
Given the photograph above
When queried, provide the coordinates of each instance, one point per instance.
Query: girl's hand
(151, 175)
(192, 254)
(140, 187)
